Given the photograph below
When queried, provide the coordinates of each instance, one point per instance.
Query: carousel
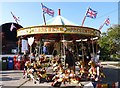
(61, 37)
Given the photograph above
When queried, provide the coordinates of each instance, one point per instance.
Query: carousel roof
(59, 20)
(59, 25)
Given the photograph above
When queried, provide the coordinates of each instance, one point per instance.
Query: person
(32, 57)
(19, 57)
(24, 59)
(70, 60)
(44, 49)
(55, 53)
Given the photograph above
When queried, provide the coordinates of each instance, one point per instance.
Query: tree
(110, 43)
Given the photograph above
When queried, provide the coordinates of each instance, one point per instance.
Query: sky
(30, 13)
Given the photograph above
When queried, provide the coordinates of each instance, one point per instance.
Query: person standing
(45, 50)
(70, 60)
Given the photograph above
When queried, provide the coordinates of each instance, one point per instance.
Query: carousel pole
(77, 50)
(93, 49)
(96, 46)
(82, 51)
(31, 49)
(64, 49)
(39, 47)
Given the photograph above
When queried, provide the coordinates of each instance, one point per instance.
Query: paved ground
(13, 78)
(112, 73)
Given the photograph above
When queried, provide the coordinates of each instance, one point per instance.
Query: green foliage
(110, 43)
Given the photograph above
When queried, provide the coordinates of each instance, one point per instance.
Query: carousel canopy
(59, 20)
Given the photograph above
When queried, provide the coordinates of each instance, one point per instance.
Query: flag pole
(14, 18)
(84, 17)
(101, 26)
(44, 16)
(83, 20)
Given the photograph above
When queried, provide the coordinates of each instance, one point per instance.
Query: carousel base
(81, 84)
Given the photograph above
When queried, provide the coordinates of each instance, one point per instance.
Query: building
(8, 38)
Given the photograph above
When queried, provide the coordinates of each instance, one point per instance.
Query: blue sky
(30, 13)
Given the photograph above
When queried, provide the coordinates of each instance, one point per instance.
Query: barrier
(10, 63)
(17, 65)
(4, 63)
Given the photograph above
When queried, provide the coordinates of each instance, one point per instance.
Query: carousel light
(63, 40)
(81, 40)
(94, 38)
(84, 40)
(64, 29)
(78, 40)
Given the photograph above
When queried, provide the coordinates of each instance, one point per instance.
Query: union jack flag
(91, 13)
(47, 10)
(107, 21)
(12, 27)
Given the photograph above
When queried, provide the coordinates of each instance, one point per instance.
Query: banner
(30, 40)
(48, 30)
(24, 45)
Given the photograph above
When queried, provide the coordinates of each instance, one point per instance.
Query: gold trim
(51, 29)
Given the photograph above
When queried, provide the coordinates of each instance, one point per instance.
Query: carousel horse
(58, 79)
(66, 75)
(26, 69)
(60, 76)
(92, 71)
(72, 77)
(82, 69)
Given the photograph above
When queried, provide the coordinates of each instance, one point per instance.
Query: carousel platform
(14, 79)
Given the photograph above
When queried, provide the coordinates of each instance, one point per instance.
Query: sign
(24, 45)
(30, 40)
(59, 29)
